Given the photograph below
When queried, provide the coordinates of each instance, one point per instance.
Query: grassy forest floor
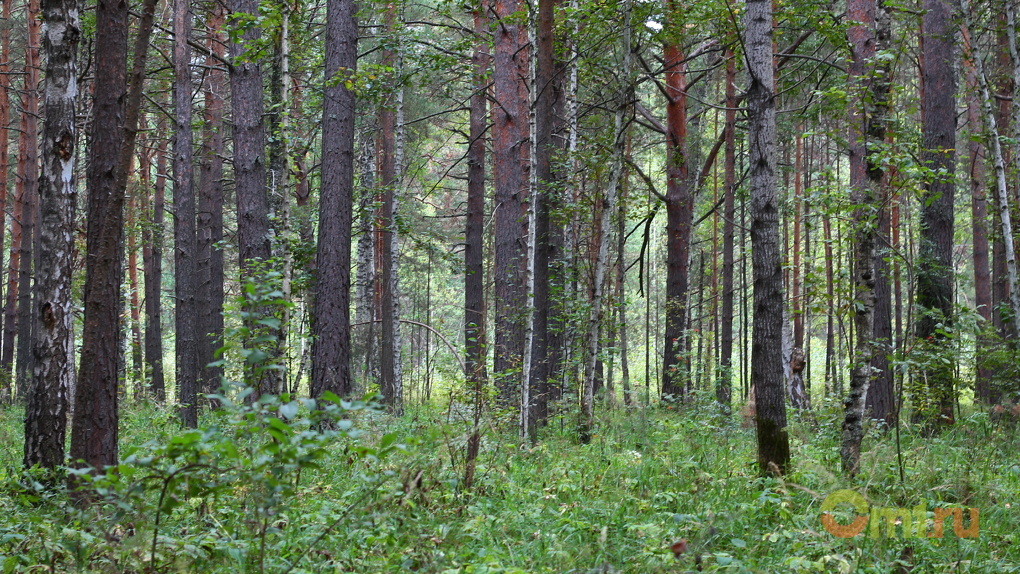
(261, 490)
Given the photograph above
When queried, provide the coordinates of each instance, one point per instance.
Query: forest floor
(262, 490)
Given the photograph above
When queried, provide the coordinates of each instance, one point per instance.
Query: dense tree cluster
(523, 203)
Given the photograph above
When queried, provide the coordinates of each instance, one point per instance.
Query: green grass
(648, 479)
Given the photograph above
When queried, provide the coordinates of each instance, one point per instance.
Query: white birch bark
(992, 134)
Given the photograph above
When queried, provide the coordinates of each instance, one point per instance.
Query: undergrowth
(354, 490)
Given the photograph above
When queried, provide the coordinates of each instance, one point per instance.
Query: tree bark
(53, 377)
(724, 392)
(474, 240)
(868, 77)
(679, 222)
(511, 175)
(152, 263)
(391, 175)
(331, 317)
(185, 285)
(935, 404)
(249, 168)
(979, 253)
(209, 218)
(766, 353)
(94, 429)
(30, 215)
(6, 390)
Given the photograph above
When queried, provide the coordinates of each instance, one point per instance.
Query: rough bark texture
(934, 263)
(94, 430)
(6, 391)
(249, 165)
(724, 390)
(474, 241)
(510, 170)
(29, 172)
(152, 262)
(867, 133)
(391, 174)
(331, 316)
(185, 284)
(209, 222)
(679, 221)
(53, 378)
(766, 347)
(365, 343)
(979, 251)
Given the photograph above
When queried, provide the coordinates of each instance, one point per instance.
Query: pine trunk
(331, 330)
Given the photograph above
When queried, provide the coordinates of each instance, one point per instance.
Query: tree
(185, 288)
(935, 404)
(474, 256)
(209, 218)
(152, 263)
(249, 160)
(867, 34)
(766, 351)
(94, 429)
(53, 377)
(511, 171)
(679, 215)
(331, 316)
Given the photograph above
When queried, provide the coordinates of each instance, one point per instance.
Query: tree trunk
(474, 261)
(152, 263)
(185, 284)
(30, 215)
(766, 353)
(511, 176)
(209, 219)
(94, 429)
(867, 34)
(331, 317)
(979, 253)
(679, 222)
(391, 175)
(935, 404)
(6, 390)
(53, 378)
(724, 392)
(365, 281)
(249, 168)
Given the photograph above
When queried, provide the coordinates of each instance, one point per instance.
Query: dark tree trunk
(30, 216)
(547, 251)
(94, 430)
(767, 369)
(511, 172)
(152, 263)
(391, 174)
(331, 330)
(868, 33)
(724, 392)
(6, 391)
(209, 221)
(249, 167)
(185, 288)
(53, 379)
(935, 404)
(679, 220)
(474, 251)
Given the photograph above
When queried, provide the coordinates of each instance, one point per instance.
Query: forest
(509, 286)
